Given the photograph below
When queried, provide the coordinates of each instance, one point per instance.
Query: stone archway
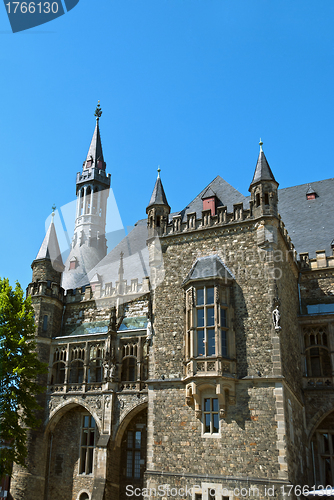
(322, 450)
(72, 434)
(127, 454)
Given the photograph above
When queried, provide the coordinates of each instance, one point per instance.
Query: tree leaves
(19, 369)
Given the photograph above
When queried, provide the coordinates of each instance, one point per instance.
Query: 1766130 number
(32, 7)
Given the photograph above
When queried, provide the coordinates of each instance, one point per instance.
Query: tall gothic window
(317, 355)
(133, 454)
(207, 322)
(129, 365)
(88, 433)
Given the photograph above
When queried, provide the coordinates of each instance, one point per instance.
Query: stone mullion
(84, 200)
(98, 201)
(86, 361)
(78, 204)
(217, 323)
(67, 367)
(330, 336)
(139, 358)
(91, 200)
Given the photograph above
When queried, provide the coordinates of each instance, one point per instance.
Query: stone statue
(112, 371)
(149, 331)
(276, 318)
(106, 370)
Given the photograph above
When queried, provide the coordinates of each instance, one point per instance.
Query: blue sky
(190, 85)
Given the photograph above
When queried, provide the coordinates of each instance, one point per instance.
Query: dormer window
(209, 201)
(311, 194)
(73, 263)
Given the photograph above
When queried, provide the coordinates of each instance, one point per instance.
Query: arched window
(82, 192)
(95, 371)
(88, 436)
(88, 200)
(84, 496)
(58, 373)
(266, 198)
(129, 365)
(322, 452)
(76, 372)
(317, 356)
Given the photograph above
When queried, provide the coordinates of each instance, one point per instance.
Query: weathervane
(98, 111)
(53, 210)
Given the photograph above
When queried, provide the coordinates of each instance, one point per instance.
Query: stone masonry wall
(237, 247)
(246, 446)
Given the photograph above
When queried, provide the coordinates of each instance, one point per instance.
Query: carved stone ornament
(189, 400)
(222, 413)
(198, 413)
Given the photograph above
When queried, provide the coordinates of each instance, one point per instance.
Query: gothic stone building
(196, 358)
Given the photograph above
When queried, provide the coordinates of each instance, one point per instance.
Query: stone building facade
(196, 359)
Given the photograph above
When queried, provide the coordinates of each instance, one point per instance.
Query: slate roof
(310, 223)
(50, 249)
(158, 196)
(209, 267)
(262, 170)
(135, 259)
(87, 258)
(225, 193)
(95, 149)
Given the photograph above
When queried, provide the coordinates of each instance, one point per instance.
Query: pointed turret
(95, 152)
(89, 244)
(262, 171)
(48, 264)
(158, 196)
(158, 208)
(263, 188)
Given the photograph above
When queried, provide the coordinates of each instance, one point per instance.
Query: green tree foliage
(19, 370)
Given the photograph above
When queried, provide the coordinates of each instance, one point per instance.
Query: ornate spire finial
(261, 144)
(159, 170)
(98, 111)
(53, 211)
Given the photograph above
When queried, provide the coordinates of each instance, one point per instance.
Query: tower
(158, 209)
(89, 244)
(47, 299)
(263, 188)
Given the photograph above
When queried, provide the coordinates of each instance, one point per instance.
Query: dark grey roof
(225, 193)
(50, 249)
(310, 223)
(208, 193)
(158, 196)
(208, 267)
(262, 170)
(95, 149)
